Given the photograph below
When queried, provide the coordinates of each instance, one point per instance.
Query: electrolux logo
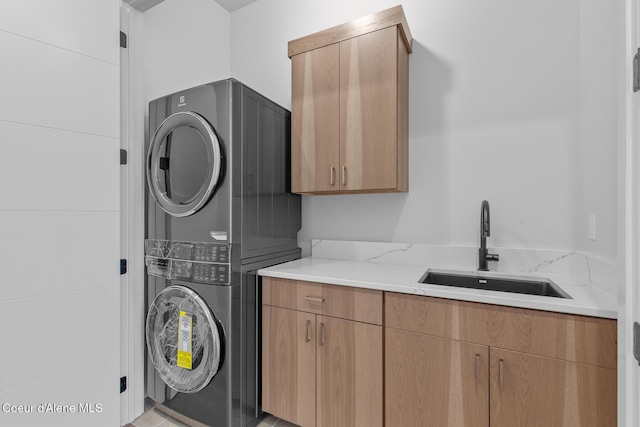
(182, 102)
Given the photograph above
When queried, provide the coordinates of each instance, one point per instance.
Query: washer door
(179, 321)
(183, 163)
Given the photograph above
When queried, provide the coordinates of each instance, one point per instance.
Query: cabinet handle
(477, 369)
(331, 174)
(501, 374)
(321, 333)
(314, 299)
(344, 175)
(308, 331)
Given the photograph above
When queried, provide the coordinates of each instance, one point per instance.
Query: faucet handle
(493, 257)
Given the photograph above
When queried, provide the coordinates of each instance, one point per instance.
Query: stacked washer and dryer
(218, 208)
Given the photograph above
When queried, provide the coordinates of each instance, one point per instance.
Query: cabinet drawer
(581, 339)
(363, 305)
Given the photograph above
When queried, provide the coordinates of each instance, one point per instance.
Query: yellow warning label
(184, 341)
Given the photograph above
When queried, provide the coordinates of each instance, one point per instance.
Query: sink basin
(492, 282)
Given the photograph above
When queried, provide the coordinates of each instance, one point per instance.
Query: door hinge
(123, 266)
(636, 71)
(123, 157)
(636, 341)
(123, 384)
(123, 40)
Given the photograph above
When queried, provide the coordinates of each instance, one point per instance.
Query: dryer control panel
(200, 262)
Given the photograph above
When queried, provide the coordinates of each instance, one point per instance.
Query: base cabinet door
(435, 382)
(289, 365)
(535, 391)
(349, 373)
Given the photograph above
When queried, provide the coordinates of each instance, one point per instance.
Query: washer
(218, 208)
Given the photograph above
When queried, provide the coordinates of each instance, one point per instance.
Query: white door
(132, 219)
(60, 213)
(629, 312)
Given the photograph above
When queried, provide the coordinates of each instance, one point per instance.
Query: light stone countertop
(587, 299)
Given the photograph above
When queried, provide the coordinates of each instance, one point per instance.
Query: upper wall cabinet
(350, 107)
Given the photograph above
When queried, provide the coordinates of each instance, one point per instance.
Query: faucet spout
(485, 220)
(485, 231)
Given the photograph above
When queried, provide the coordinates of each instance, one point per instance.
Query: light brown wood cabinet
(435, 382)
(529, 390)
(322, 354)
(350, 108)
(289, 364)
(455, 363)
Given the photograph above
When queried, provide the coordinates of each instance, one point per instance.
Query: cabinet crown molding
(377, 21)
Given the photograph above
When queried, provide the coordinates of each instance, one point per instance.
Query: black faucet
(485, 231)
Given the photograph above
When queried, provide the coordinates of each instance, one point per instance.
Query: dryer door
(183, 339)
(183, 163)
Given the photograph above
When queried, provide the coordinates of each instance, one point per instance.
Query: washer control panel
(201, 262)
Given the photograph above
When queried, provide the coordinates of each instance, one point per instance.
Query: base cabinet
(289, 364)
(329, 360)
(349, 373)
(435, 382)
(320, 370)
(445, 365)
(535, 391)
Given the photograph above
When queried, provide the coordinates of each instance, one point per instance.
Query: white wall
(186, 44)
(601, 107)
(505, 105)
(510, 102)
(59, 211)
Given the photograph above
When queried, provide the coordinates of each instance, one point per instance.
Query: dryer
(218, 208)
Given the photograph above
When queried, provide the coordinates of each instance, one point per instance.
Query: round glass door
(183, 163)
(183, 339)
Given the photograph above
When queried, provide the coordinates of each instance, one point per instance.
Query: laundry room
(320, 213)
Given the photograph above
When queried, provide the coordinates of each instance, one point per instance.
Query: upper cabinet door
(368, 111)
(315, 116)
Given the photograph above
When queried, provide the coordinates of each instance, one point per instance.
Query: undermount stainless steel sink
(493, 282)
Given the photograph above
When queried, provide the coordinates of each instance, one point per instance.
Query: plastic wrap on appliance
(168, 249)
(190, 271)
(162, 334)
(181, 269)
(189, 251)
(159, 267)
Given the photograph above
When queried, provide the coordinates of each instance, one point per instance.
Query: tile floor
(155, 417)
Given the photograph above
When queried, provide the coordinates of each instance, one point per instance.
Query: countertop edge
(576, 307)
